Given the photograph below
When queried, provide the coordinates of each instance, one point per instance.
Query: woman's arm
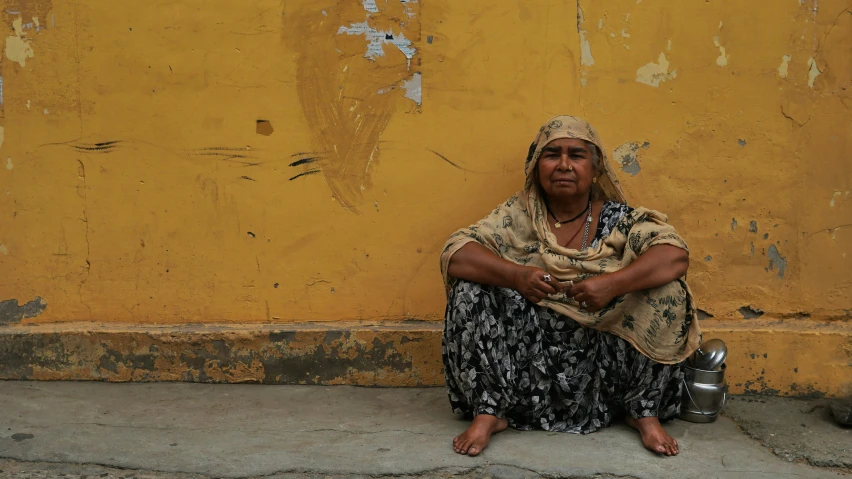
(657, 266)
(474, 262)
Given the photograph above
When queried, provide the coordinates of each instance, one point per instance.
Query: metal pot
(704, 394)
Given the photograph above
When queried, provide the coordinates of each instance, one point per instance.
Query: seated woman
(567, 308)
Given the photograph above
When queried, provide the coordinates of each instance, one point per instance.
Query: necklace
(559, 223)
(586, 225)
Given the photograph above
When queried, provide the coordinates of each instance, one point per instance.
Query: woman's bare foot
(654, 437)
(476, 437)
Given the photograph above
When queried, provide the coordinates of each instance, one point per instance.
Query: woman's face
(565, 168)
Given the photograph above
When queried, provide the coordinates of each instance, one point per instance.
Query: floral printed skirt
(507, 357)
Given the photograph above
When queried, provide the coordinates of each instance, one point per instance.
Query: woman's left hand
(594, 293)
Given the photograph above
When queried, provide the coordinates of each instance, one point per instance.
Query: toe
(473, 451)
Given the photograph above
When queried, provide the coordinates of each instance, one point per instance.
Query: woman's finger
(545, 287)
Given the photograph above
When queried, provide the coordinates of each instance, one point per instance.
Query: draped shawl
(660, 323)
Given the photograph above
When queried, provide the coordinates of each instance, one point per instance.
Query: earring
(595, 179)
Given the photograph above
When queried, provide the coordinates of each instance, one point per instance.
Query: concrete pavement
(182, 430)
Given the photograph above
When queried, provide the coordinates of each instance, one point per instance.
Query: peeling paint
(627, 156)
(722, 60)
(376, 39)
(741, 142)
(734, 224)
(586, 57)
(782, 69)
(9, 164)
(18, 48)
(653, 73)
(830, 203)
(813, 71)
(752, 226)
(4, 250)
(11, 312)
(776, 260)
(413, 88)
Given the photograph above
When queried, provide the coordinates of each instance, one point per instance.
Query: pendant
(558, 224)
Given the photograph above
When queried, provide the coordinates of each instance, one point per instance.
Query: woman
(566, 308)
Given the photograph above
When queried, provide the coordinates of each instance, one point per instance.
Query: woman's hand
(594, 293)
(530, 282)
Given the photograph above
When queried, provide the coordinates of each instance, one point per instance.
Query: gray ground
(197, 430)
(795, 429)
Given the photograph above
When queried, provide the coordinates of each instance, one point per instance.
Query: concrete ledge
(399, 354)
(785, 358)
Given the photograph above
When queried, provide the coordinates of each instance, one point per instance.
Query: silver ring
(584, 305)
(546, 278)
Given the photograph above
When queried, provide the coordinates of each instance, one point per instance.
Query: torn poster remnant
(413, 88)
(376, 39)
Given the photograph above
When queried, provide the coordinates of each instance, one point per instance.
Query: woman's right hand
(530, 282)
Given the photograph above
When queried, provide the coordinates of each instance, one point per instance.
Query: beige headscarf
(661, 323)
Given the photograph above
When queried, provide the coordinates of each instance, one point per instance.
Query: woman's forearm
(657, 266)
(474, 262)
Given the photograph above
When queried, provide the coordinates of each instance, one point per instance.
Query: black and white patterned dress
(508, 357)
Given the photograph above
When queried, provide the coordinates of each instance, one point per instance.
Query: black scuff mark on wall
(752, 226)
(311, 172)
(702, 315)
(304, 161)
(11, 312)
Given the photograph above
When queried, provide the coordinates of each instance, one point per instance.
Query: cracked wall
(138, 188)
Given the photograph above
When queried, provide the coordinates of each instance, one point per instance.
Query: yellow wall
(191, 215)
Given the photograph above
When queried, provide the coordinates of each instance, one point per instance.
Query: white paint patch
(28, 105)
(723, 56)
(669, 46)
(324, 13)
(835, 195)
(600, 24)
(624, 33)
(782, 69)
(9, 164)
(370, 6)
(652, 73)
(18, 48)
(586, 57)
(2, 136)
(720, 25)
(4, 250)
(37, 25)
(45, 111)
(813, 71)
(1, 91)
(414, 88)
(376, 39)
